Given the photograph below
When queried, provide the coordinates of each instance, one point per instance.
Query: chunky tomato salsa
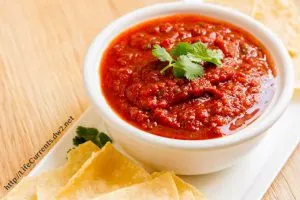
(199, 98)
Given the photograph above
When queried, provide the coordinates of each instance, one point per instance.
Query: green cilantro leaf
(200, 48)
(104, 138)
(182, 48)
(78, 140)
(161, 54)
(189, 59)
(87, 133)
(205, 54)
(178, 71)
(84, 134)
(191, 70)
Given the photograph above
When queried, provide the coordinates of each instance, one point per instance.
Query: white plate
(248, 180)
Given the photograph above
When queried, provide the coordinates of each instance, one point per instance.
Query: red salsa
(226, 99)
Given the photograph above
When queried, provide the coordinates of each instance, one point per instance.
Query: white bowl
(186, 156)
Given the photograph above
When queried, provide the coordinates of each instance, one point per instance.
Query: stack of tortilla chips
(95, 174)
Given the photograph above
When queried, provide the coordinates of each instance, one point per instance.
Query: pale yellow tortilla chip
(25, 190)
(245, 6)
(105, 171)
(282, 18)
(49, 183)
(160, 187)
(185, 190)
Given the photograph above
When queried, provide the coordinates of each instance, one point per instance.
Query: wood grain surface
(42, 47)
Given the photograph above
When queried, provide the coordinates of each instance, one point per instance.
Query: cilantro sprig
(84, 134)
(189, 59)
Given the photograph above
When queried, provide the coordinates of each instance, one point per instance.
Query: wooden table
(42, 46)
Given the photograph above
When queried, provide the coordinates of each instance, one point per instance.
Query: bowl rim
(93, 58)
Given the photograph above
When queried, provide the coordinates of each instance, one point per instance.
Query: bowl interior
(282, 61)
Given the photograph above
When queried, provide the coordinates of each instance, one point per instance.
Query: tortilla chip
(185, 190)
(105, 171)
(160, 187)
(49, 183)
(245, 6)
(78, 156)
(25, 190)
(283, 19)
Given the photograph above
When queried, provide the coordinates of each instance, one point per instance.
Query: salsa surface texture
(224, 100)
